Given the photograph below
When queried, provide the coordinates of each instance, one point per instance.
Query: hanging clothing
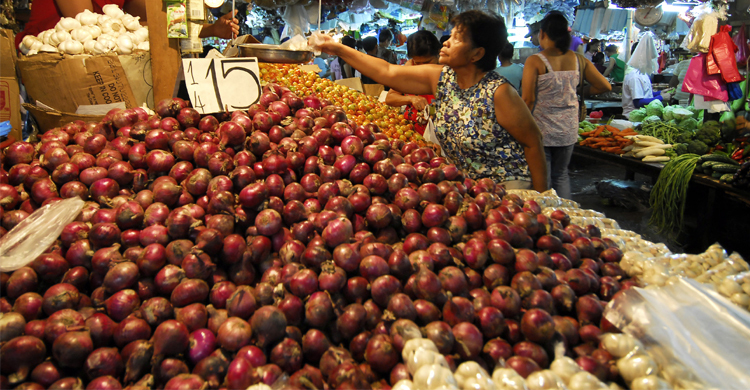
(45, 14)
(556, 107)
(466, 126)
(618, 72)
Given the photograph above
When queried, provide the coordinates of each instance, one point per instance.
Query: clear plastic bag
(697, 337)
(30, 238)
(545, 380)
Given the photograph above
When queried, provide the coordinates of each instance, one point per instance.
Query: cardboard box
(354, 83)
(65, 82)
(10, 101)
(373, 89)
(49, 119)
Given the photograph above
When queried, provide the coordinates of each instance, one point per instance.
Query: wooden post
(165, 55)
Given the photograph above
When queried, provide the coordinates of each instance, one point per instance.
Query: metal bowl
(272, 53)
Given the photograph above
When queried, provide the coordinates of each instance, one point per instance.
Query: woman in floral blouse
(482, 124)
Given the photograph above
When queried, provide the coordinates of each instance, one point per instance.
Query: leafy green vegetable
(679, 149)
(651, 119)
(637, 115)
(667, 113)
(688, 124)
(655, 107)
(710, 133)
(680, 113)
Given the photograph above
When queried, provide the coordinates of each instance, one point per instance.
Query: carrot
(613, 149)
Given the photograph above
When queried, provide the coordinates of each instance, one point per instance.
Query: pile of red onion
(227, 250)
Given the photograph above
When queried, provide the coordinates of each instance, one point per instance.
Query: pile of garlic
(90, 33)
(636, 366)
(564, 374)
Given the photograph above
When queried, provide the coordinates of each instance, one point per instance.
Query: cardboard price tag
(222, 84)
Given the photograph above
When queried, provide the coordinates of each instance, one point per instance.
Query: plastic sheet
(743, 49)
(30, 238)
(697, 81)
(697, 337)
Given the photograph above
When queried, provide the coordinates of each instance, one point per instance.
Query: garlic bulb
(131, 22)
(67, 24)
(124, 44)
(29, 40)
(89, 46)
(58, 37)
(113, 11)
(94, 30)
(87, 18)
(545, 380)
(100, 48)
(23, 48)
(107, 42)
(508, 379)
(636, 366)
(403, 384)
(620, 345)
(259, 386)
(44, 35)
(101, 19)
(136, 39)
(412, 345)
(48, 49)
(469, 375)
(36, 45)
(112, 26)
(585, 381)
(81, 35)
(71, 46)
(432, 377)
(651, 382)
(145, 46)
(142, 34)
(565, 368)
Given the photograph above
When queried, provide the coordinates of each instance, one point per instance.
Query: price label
(220, 84)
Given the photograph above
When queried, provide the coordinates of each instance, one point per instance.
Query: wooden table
(714, 211)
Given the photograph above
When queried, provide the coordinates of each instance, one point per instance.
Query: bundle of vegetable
(607, 138)
(647, 148)
(90, 33)
(660, 130)
(669, 194)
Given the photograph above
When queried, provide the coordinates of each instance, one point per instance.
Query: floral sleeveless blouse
(466, 126)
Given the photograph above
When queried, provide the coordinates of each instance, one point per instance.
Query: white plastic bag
(697, 337)
(30, 238)
(645, 57)
(297, 20)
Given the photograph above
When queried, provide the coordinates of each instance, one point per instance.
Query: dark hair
(598, 58)
(592, 43)
(611, 49)
(422, 44)
(349, 41)
(369, 44)
(485, 30)
(556, 27)
(385, 35)
(507, 52)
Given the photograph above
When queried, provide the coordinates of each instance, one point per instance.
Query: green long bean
(669, 195)
(661, 130)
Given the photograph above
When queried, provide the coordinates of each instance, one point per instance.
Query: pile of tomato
(360, 107)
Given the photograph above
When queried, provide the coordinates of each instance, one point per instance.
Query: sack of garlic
(90, 33)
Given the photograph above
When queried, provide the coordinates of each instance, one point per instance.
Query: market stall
(287, 232)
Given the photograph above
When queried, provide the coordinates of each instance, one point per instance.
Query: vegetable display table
(715, 211)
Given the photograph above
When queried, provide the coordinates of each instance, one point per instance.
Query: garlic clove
(48, 49)
(87, 18)
(89, 46)
(131, 22)
(113, 11)
(142, 33)
(81, 34)
(94, 30)
(145, 46)
(67, 24)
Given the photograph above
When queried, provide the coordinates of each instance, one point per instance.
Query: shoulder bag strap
(581, 102)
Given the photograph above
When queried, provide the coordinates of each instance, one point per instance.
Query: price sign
(220, 84)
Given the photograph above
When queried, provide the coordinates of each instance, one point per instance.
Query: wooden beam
(165, 55)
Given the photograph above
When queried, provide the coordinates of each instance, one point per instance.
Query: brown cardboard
(373, 89)
(10, 102)
(354, 83)
(65, 82)
(49, 119)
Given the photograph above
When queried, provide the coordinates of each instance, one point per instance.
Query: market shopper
(680, 71)
(592, 48)
(339, 67)
(481, 122)
(46, 13)
(509, 70)
(616, 67)
(384, 41)
(550, 81)
(422, 48)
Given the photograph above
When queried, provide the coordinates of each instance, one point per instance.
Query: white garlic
(87, 18)
(545, 380)
(58, 37)
(729, 287)
(113, 11)
(403, 384)
(46, 48)
(94, 30)
(432, 377)
(470, 375)
(651, 382)
(508, 379)
(740, 299)
(142, 34)
(565, 368)
(621, 344)
(44, 35)
(36, 45)
(131, 22)
(107, 42)
(101, 48)
(259, 386)
(101, 19)
(67, 24)
(585, 381)
(24, 50)
(636, 366)
(136, 39)
(124, 44)
(81, 35)
(71, 46)
(145, 46)
(89, 46)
